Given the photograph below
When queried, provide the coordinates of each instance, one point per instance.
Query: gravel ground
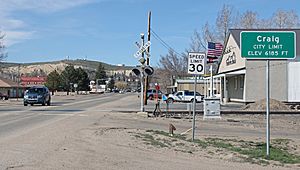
(112, 140)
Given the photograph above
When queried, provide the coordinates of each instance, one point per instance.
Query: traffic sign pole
(196, 65)
(268, 45)
(194, 109)
(268, 107)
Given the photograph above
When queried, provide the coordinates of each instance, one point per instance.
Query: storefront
(10, 88)
(243, 80)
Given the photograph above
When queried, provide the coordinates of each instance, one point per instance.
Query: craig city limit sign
(268, 44)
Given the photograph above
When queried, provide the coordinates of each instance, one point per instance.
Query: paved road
(15, 117)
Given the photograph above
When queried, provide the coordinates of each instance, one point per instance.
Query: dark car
(151, 94)
(3, 96)
(37, 95)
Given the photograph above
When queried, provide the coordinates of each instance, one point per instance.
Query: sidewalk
(11, 102)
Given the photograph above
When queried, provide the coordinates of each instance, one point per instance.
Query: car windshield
(36, 90)
(179, 94)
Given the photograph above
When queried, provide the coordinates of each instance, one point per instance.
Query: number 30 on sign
(196, 63)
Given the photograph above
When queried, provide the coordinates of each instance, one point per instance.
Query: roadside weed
(250, 151)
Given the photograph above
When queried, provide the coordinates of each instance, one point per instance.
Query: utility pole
(18, 81)
(147, 60)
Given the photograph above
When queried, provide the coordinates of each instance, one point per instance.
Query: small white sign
(196, 63)
(142, 49)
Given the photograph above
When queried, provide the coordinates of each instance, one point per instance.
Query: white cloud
(13, 37)
(15, 29)
(41, 5)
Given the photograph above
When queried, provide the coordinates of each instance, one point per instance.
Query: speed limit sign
(196, 63)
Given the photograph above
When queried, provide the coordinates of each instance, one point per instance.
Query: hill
(40, 68)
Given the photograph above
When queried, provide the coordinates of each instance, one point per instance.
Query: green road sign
(268, 44)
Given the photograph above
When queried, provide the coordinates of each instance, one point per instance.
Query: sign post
(268, 45)
(196, 65)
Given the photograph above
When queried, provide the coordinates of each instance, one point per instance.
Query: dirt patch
(261, 105)
(284, 151)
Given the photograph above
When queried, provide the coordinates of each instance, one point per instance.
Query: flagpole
(214, 50)
(211, 81)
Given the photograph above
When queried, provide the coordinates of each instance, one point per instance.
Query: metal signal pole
(148, 59)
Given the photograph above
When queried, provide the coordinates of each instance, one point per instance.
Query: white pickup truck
(184, 96)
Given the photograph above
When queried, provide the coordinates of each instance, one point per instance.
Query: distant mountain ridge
(77, 62)
(11, 69)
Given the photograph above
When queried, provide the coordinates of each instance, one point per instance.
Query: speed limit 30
(196, 63)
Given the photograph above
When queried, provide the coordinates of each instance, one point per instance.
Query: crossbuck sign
(142, 49)
(196, 63)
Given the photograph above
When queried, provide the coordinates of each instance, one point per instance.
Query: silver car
(37, 95)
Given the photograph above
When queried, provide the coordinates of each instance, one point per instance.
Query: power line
(162, 42)
(168, 47)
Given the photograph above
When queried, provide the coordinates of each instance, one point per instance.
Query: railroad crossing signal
(142, 49)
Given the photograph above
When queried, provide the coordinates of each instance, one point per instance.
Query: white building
(243, 80)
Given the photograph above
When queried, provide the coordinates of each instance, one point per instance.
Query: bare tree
(285, 19)
(163, 78)
(265, 23)
(197, 42)
(3, 55)
(224, 21)
(173, 64)
(199, 39)
(249, 20)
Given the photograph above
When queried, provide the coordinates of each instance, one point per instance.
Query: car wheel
(44, 103)
(25, 104)
(193, 101)
(31, 104)
(170, 100)
(48, 103)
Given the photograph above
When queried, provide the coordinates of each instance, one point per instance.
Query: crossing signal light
(149, 70)
(136, 71)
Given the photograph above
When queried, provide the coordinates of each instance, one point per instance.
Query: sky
(106, 30)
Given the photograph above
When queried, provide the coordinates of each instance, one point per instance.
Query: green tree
(53, 81)
(101, 74)
(69, 77)
(82, 80)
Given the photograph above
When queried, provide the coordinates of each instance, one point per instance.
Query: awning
(238, 72)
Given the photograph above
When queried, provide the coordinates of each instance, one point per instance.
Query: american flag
(214, 51)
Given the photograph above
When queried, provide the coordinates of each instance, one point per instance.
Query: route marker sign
(268, 44)
(196, 63)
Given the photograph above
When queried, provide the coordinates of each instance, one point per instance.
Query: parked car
(3, 96)
(37, 95)
(184, 96)
(115, 91)
(151, 93)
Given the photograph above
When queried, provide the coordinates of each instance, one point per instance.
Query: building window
(235, 83)
(242, 82)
